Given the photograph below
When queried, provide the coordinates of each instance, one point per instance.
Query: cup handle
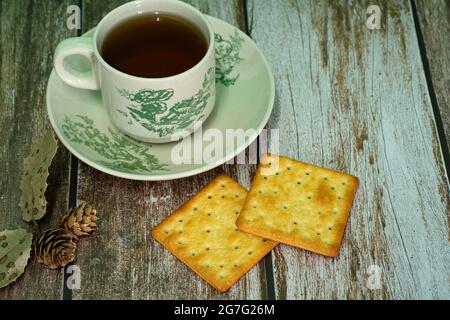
(76, 46)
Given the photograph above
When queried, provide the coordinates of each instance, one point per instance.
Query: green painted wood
(29, 32)
(122, 260)
(356, 100)
(434, 18)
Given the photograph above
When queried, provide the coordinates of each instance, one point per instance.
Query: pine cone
(80, 221)
(55, 248)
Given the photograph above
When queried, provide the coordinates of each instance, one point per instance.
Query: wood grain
(434, 19)
(122, 260)
(29, 33)
(356, 100)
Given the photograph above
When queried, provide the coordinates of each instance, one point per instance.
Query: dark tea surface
(154, 46)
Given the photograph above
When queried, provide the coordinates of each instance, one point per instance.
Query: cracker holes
(166, 231)
(325, 178)
(221, 265)
(235, 266)
(265, 178)
(236, 229)
(307, 173)
(209, 214)
(298, 182)
(339, 198)
(222, 185)
(207, 248)
(236, 212)
(285, 207)
(332, 188)
(289, 168)
(236, 196)
(180, 231)
(180, 221)
(295, 222)
(277, 173)
(208, 231)
(193, 254)
(335, 211)
(209, 197)
(330, 228)
(179, 242)
(223, 197)
(249, 253)
(309, 197)
(195, 208)
(318, 234)
(236, 247)
(259, 191)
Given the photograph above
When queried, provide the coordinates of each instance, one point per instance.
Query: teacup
(154, 110)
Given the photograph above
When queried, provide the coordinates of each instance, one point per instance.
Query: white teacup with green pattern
(148, 109)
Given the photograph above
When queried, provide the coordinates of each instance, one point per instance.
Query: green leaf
(15, 247)
(34, 176)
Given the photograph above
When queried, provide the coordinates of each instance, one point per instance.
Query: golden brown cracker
(203, 234)
(298, 204)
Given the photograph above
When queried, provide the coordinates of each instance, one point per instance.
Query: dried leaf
(34, 176)
(15, 247)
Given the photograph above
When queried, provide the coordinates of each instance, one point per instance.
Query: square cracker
(299, 204)
(202, 233)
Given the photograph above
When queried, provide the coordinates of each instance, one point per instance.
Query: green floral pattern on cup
(150, 108)
(227, 57)
(118, 151)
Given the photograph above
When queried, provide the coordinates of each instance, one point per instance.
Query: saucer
(244, 100)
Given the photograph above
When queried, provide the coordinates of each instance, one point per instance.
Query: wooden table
(371, 102)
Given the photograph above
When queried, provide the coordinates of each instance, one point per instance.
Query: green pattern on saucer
(122, 153)
(227, 57)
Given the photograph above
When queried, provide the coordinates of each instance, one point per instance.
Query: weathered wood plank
(356, 100)
(434, 19)
(121, 260)
(29, 32)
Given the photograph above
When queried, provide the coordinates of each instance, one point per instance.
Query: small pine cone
(55, 248)
(80, 221)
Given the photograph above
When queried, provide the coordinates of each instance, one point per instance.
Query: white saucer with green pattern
(244, 100)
